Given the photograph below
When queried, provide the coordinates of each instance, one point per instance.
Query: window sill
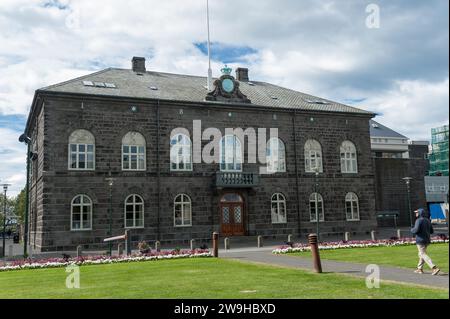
(135, 227)
(182, 226)
(75, 230)
(353, 220)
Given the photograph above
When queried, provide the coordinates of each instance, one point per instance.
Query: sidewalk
(264, 255)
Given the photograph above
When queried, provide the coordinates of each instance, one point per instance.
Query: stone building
(119, 123)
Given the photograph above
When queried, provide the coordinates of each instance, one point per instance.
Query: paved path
(264, 255)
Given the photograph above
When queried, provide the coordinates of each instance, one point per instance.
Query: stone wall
(110, 119)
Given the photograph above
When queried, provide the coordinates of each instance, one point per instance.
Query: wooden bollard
(226, 243)
(157, 246)
(128, 242)
(120, 249)
(399, 233)
(346, 236)
(79, 251)
(192, 244)
(215, 239)
(373, 235)
(260, 241)
(312, 240)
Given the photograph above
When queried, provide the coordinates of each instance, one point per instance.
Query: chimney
(242, 74)
(138, 64)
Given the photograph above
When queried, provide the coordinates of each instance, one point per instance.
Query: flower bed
(355, 244)
(97, 260)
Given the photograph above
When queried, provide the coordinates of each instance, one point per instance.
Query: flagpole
(209, 83)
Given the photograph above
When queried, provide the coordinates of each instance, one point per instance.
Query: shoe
(435, 271)
(418, 271)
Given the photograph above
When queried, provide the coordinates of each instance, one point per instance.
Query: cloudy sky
(398, 70)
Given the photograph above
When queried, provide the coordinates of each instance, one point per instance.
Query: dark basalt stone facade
(56, 114)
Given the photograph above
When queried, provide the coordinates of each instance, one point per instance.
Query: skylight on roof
(100, 84)
(154, 88)
(316, 101)
(274, 97)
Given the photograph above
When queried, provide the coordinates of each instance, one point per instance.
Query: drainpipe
(158, 173)
(294, 128)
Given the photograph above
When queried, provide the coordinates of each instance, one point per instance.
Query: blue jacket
(422, 228)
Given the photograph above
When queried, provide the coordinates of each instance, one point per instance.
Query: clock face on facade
(228, 85)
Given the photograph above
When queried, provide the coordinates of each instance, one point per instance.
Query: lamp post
(408, 190)
(25, 139)
(5, 189)
(316, 186)
(110, 181)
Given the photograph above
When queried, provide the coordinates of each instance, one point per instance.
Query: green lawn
(399, 256)
(198, 278)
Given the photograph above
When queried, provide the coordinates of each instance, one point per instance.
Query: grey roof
(379, 130)
(190, 88)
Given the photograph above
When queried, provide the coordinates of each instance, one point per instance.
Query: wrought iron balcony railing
(236, 179)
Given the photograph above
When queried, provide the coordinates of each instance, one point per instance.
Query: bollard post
(128, 242)
(226, 243)
(79, 251)
(289, 238)
(215, 238)
(120, 249)
(11, 250)
(312, 240)
(158, 246)
(373, 235)
(399, 233)
(192, 244)
(260, 241)
(346, 236)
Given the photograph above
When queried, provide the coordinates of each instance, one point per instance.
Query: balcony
(236, 180)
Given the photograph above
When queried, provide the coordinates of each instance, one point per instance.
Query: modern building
(387, 143)
(395, 158)
(140, 128)
(439, 151)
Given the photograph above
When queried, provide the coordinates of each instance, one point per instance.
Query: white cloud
(318, 47)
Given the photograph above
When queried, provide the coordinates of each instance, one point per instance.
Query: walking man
(422, 230)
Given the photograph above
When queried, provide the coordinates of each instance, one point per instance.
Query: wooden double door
(232, 215)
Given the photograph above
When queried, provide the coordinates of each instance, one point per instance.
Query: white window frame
(275, 156)
(134, 203)
(280, 201)
(352, 200)
(139, 155)
(185, 199)
(184, 158)
(237, 154)
(349, 165)
(81, 205)
(79, 138)
(315, 201)
(313, 152)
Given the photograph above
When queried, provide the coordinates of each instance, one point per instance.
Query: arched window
(278, 204)
(351, 206)
(316, 205)
(81, 150)
(134, 211)
(230, 154)
(81, 213)
(133, 152)
(313, 156)
(182, 210)
(180, 153)
(348, 158)
(275, 155)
